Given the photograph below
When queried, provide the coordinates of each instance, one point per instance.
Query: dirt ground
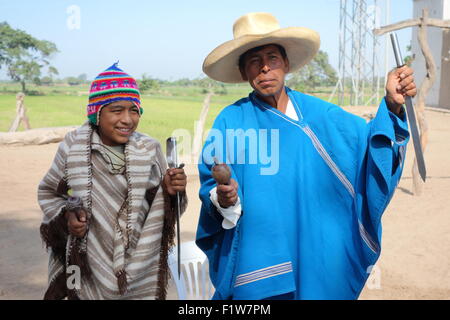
(415, 258)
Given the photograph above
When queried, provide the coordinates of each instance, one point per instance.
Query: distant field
(167, 109)
(173, 108)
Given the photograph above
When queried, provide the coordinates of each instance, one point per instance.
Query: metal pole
(386, 40)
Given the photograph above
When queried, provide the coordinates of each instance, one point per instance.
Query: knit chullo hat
(111, 85)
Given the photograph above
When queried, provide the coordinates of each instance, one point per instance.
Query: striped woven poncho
(131, 220)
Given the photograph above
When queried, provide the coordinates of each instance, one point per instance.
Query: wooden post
(198, 136)
(425, 87)
(20, 114)
(427, 83)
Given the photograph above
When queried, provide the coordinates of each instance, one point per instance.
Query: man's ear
(243, 75)
(286, 62)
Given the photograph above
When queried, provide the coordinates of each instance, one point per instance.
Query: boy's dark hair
(246, 53)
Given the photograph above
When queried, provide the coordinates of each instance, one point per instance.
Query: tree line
(27, 60)
(24, 56)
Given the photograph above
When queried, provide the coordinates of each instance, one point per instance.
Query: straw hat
(254, 30)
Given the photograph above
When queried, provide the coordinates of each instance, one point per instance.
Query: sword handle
(397, 52)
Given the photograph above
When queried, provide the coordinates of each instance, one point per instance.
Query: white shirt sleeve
(231, 214)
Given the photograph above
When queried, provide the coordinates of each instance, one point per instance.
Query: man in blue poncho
(301, 215)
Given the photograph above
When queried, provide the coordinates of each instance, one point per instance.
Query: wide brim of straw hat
(301, 45)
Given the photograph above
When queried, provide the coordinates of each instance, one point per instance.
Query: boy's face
(118, 120)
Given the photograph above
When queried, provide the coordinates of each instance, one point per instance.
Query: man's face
(265, 70)
(118, 120)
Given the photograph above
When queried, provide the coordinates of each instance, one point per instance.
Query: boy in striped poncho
(116, 242)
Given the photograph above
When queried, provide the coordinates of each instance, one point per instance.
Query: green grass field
(164, 112)
(168, 109)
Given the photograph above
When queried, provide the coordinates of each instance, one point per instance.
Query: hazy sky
(165, 39)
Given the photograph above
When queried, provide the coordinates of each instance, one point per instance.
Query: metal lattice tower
(359, 69)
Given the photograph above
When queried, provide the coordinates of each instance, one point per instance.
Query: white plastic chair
(194, 282)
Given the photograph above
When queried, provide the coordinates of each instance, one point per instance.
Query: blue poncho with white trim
(312, 193)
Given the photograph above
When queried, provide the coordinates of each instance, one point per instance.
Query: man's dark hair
(248, 52)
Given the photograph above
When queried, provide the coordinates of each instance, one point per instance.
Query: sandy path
(415, 259)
